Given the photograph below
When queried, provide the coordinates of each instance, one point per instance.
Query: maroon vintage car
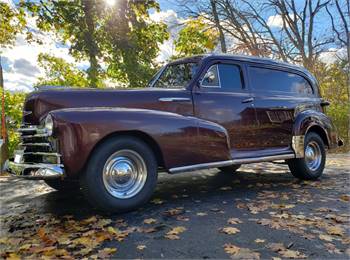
(197, 113)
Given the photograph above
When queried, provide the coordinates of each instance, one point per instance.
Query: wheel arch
(317, 122)
(142, 136)
(315, 128)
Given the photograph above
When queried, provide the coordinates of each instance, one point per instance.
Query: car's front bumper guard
(36, 157)
(38, 171)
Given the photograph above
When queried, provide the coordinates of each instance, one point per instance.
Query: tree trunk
(3, 135)
(217, 24)
(91, 43)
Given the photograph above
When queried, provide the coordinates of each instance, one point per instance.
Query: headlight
(49, 124)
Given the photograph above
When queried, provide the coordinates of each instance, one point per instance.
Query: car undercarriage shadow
(171, 191)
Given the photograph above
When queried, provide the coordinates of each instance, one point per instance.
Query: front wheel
(121, 175)
(312, 165)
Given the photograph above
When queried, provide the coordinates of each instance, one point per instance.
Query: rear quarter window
(265, 80)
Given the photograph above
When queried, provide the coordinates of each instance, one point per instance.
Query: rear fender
(311, 120)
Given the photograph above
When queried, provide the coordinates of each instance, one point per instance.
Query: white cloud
(275, 21)
(20, 62)
(333, 55)
(175, 24)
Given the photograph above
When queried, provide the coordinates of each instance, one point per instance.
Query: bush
(334, 80)
(13, 112)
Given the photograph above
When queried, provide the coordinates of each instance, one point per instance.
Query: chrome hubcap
(313, 156)
(124, 174)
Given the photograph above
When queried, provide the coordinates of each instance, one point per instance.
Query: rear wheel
(230, 169)
(312, 165)
(121, 175)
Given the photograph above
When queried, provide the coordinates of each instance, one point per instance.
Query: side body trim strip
(231, 162)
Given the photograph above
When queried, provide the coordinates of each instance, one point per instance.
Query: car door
(222, 96)
(278, 95)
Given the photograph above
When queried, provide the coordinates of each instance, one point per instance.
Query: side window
(211, 78)
(224, 76)
(230, 77)
(270, 80)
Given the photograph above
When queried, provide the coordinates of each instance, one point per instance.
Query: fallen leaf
(345, 198)
(275, 247)
(148, 230)
(25, 247)
(240, 253)
(174, 232)
(291, 254)
(89, 220)
(326, 238)
(150, 221)
(157, 201)
(13, 256)
(172, 237)
(106, 252)
(332, 249)
(335, 230)
(141, 247)
(174, 211)
(45, 238)
(231, 249)
(102, 223)
(258, 240)
(177, 230)
(230, 230)
(234, 221)
(182, 218)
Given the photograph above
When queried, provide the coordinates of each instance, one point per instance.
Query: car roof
(246, 58)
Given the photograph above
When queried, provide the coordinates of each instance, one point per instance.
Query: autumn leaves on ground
(259, 212)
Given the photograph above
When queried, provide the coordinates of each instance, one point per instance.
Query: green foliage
(121, 36)
(12, 22)
(196, 37)
(132, 41)
(77, 23)
(58, 72)
(334, 84)
(13, 111)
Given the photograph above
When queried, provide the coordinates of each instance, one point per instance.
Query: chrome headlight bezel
(49, 124)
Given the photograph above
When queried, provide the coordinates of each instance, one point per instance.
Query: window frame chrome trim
(218, 74)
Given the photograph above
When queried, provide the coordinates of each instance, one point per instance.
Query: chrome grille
(37, 146)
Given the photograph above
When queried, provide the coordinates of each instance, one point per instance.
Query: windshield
(175, 75)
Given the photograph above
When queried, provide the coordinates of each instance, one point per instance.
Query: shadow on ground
(261, 211)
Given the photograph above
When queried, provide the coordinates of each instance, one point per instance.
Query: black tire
(300, 167)
(63, 185)
(230, 169)
(93, 185)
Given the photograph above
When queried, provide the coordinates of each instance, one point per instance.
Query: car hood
(38, 104)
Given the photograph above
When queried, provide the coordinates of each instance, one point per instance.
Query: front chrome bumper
(38, 171)
(37, 156)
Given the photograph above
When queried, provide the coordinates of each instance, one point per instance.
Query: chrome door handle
(279, 108)
(174, 99)
(248, 100)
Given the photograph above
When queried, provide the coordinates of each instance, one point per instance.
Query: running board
(202, 166)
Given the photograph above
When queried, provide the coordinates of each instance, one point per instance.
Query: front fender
(310, 118)
(182, 140)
